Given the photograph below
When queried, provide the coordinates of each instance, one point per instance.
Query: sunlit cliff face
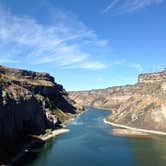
(163, 86)
(152, 77)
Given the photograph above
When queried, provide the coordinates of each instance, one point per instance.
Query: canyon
(33, 106)
(142, 105)
(31, 103)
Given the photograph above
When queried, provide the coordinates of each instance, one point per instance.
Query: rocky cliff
(30, 103)
(153, 77)
(142, 105)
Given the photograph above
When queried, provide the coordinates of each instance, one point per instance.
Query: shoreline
(130, 133)
(43, 138)
(135, 129)
(101, 108)
(72, 119)
(53, 133)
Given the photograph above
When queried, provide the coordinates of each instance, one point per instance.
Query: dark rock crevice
(28, 103)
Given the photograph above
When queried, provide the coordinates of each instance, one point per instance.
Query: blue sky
(84, 44)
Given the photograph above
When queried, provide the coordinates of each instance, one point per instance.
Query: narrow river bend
(90, 143)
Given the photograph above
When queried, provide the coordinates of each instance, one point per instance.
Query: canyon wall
(152, 77)
(30, 103)
(142, 105)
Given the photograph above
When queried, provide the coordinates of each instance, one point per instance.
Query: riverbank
(53, 134)
(35, 140)
(135, 131)
(129, 133)
(101, 108)
(41, 139)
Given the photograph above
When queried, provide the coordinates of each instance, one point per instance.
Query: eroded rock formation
(153, 77)
(30, 103)
(142, 105)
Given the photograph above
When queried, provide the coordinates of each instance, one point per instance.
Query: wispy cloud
(119, 62)
(127, 63)
(87, 65)
(136, 66)
(156, 67)
(129, 6)
(7, 60)
(63, 44)
(93, 65)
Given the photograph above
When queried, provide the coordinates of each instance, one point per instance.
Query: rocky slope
(30, 103)
(142, 105)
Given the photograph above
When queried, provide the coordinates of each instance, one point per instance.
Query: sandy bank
(54, 133)
(141, 131)
(40, 139)
(129, 133)
(102, 108)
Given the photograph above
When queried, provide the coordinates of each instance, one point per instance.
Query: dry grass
(29, 81)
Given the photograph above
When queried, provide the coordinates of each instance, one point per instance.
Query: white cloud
(128, 6)
(126, 63)
(7, 60)
(62, 44)
(156, 67)
(136, 66)
(119, 62)
(93, 65)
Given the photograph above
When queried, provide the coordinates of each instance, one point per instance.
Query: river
(90, 142)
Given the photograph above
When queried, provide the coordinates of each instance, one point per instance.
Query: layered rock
(141, 105)
(25, 74)
(152, 77)
(30, 103)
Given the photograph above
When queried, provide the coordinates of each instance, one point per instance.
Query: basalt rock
(29, 102)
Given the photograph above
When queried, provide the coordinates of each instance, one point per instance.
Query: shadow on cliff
(19, 152)
(149, 152)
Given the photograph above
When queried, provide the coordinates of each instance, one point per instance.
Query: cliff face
(30, 103)
(152, 77)
(142, 105)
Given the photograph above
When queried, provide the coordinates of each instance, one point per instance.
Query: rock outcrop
(30, 103)
(142, 105)
(153, 77)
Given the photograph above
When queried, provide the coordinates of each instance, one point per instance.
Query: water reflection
(35, 152)
(149, 152)
(90, 142)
